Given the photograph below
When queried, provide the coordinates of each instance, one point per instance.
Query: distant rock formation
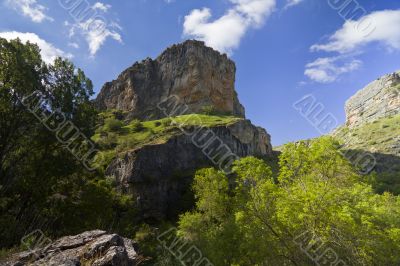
(198, 75)
(380, 98)
(96, 248)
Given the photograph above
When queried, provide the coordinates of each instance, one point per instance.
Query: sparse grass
(378, 136)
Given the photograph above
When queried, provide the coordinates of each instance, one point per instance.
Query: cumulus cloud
(48, 51)
(380, 26)
(96, 29)
(226, 32)
(30, 8)
(329, 69)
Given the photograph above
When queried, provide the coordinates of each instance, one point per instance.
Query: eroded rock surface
(380, 98)
(198, 75)
(89, 248)
(159, 175)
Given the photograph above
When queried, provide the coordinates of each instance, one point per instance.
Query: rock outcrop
(198, 75)
(159, 175)
(380, 98)
(370, 137)
(96, 248)
(201, 80)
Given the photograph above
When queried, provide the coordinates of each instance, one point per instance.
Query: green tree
(319, 204)
(42, 185)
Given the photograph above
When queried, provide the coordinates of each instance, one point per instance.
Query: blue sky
(284, 50)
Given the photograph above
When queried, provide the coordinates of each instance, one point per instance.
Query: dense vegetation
(42, 185)
(319, 204)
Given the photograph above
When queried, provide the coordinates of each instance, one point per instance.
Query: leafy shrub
(109, 141)
(136, 126)
(166, 122)
(208, 110)
(113, 125)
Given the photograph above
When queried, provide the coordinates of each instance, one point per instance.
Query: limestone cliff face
(159, 175)
(198, 75)
(197, 78)
(380, 98)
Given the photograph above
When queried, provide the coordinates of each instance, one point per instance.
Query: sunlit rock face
(381, 98)
(197, 75)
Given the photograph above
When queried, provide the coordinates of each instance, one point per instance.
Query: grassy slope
(134, 134)
(381, 136)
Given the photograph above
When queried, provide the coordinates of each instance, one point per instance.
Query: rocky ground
(97, 248)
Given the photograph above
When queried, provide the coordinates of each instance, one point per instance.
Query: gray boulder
(89, 248)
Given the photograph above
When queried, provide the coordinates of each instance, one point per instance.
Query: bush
(109, 141)
(112, 124)
(166, 122)
(208, 110)
(136, 126)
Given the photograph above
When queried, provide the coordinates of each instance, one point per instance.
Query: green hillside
(380, 139)
(115, 135)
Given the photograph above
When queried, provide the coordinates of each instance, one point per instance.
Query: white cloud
(226, 32)
(329, 69)
(96, 30)
(255, 11)
(382, 27)
(378, 27)
(101, 6)
(291, 3)
(48, 51)
(30, 8)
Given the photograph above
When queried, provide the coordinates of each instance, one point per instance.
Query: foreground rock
(159, 175)
(380, 98)
(95, 248)
(198, 75)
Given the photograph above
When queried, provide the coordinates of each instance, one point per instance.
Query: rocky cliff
(198, 75)
(370, 137)
(159, 175)
(189, 77)
(381, 98)
(95, 248)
